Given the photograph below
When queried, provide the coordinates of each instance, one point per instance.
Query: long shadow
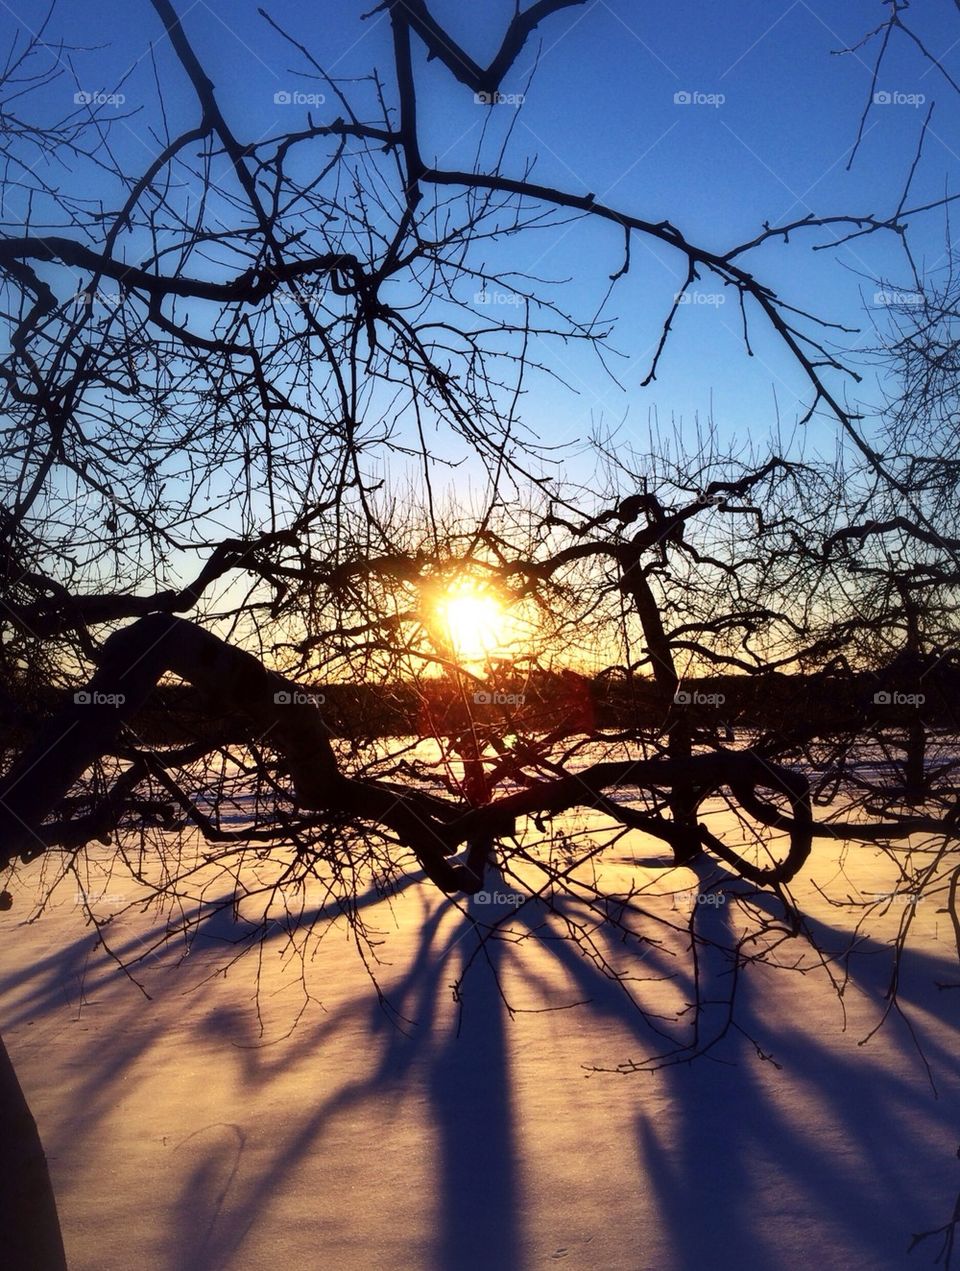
(469, 1083)
(832, 1147)
(727, 1132)
(463, 1067)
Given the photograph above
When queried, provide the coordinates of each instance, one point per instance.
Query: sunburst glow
(473, 623)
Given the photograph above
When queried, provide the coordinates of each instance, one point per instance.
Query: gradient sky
(600, 115)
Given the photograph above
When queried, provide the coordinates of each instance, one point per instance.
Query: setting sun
(473, 623)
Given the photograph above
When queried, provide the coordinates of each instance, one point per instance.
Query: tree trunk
(30, 1237)
(916, 740)
(683, 797)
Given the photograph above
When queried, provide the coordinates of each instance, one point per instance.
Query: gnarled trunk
(30, 1237)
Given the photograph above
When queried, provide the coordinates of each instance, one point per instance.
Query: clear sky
(766, 137)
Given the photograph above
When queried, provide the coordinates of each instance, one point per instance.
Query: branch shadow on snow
(839, 1143)
(725, 1130)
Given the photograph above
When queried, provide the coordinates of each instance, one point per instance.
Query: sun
(472, 623)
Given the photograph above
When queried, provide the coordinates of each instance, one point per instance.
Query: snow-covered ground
(452, 1135)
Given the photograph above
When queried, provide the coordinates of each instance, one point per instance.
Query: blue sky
(767, 138)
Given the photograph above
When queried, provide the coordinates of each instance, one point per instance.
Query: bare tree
(208, 408)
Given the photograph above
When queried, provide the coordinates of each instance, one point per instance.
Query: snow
(180, 1137)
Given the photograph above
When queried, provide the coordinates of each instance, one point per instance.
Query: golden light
(473, 624)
